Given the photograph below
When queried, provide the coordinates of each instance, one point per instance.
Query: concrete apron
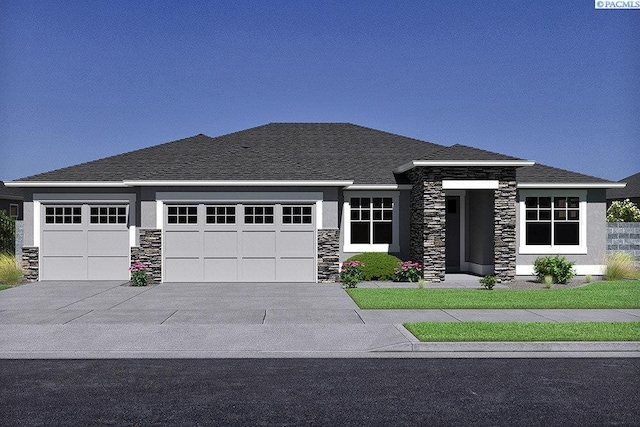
(79, 320)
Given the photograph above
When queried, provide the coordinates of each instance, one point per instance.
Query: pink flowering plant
(351, 273)
(408, 271)
(138, 274)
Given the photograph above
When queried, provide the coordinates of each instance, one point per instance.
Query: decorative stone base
(150, 253)
(328, 255)
(31, 263)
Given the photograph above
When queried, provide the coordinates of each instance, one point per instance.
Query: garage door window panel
(258, 214)
(108, 215)
(63, 215)
(296, 215)
(221, 215)
(182, 214)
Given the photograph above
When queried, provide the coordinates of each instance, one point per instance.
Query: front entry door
(452, 237)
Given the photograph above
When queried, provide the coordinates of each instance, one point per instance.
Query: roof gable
(632, 190)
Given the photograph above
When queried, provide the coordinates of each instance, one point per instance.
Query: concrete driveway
(112, 319)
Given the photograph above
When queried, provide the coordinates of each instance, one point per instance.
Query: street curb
(414, 345)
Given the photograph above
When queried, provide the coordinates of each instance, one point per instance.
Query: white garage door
(239, 243)
(84, 242)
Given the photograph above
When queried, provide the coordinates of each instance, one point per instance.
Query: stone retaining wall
(624, 236)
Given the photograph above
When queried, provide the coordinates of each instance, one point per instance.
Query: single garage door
(239, 243)
(84, 242)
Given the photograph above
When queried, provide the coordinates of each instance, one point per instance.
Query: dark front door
(452, 237)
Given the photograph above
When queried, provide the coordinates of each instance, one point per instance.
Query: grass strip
(524, 331)
(3, 287)
(621, 294)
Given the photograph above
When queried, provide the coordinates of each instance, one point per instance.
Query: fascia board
(379, 187)
(571, 185)
(416, 163)
(20, 184)
(179, 183)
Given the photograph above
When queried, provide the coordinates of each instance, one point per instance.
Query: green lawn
(525, 331)
(622, 294)
(3, 287)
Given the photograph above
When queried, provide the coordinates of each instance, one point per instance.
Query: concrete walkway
(107, 319)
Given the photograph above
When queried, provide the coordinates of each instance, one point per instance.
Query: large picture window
(371, 220)
(553, 223)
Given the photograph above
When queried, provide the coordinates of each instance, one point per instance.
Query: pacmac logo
(617, 4)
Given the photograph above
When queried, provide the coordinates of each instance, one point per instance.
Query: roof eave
(417, 163)
(21, 184)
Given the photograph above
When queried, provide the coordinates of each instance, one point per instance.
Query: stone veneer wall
(31, 263)
(624, 236)
(328, 255)
(428, 227)
(150, 253)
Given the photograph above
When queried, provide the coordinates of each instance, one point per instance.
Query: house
(631, 191)
(11, 200)
(286, 202)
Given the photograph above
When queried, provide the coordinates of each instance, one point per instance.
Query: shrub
(620, 265)
(377, 265)
(557, 267)
(625, 211)
(138, 274)
(407, 271)
(351, 273)
(488, 282)
(10, 271)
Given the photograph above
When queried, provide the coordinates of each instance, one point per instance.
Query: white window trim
(580, 249)
(395, 227)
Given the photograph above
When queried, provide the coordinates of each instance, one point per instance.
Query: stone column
(328, 255)
(31, 263)
(505, 228)
(150, 253)
(434, 231)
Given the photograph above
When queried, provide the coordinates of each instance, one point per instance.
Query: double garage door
(239, 243)
(84, 242)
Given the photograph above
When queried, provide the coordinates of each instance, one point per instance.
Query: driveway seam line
(170, 316)
(264, 317)
(544, 317)
(449, 314)
(77, 317)
(621, 310)
(130, 298)
(90, 296)
(361, 319)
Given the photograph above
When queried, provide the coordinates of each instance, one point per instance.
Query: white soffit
(470, 184)
(65, 184)
(415, 163)
(379, 187)
(179, 183)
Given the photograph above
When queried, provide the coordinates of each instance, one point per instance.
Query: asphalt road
(296, 392)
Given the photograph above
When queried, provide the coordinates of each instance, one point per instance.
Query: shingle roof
(548, 174)
(632, 190)
(10, 193)
(288, 151)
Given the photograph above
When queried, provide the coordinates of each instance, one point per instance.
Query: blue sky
(557, 82)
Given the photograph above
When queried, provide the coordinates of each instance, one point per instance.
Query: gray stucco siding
(596, 233)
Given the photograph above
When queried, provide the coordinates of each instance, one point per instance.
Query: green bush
(488, 282)
(625, 211)
(377, 265)
(620, 265)
(10, 271)
(557, 267)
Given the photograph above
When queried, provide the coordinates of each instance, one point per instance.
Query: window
(258, 215)
(371, 220)
(13, 211)
(63, 215)
(553, 223)
(108, 215)
(221, 215)
(296, 215)
(182, 215)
